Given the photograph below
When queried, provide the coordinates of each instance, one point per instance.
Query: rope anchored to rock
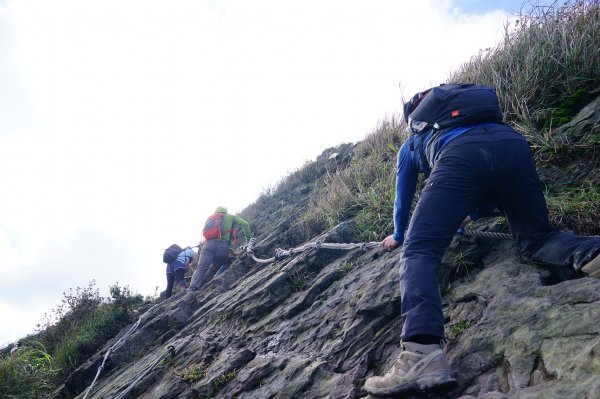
(170, 351)
(487, 234)
(283, 253)
(127, 334)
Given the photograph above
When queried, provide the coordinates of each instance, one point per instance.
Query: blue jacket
(418, 154)
(186, 255)
(182, 260)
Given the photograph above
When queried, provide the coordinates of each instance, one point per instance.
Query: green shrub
(75, 307)
(364, 190)
(223, 379)
(459, 327)
(29, 373)
(75, 330)
(83, 341)
(88, 323)
(192, 373)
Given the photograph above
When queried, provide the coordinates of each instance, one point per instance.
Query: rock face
(318, 323)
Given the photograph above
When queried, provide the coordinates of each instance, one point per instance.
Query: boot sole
(425, 382)
(592, 268)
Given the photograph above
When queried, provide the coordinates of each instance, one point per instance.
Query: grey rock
(266, 338)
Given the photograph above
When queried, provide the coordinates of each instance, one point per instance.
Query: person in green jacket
(218, 232)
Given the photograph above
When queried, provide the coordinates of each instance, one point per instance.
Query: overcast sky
(123, 124)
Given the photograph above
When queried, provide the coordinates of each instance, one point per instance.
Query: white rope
(487, 234)
(170, 350)
(127, 334)
(282, 253)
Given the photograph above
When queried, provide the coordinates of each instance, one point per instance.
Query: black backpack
(452, 105)
(171, 253)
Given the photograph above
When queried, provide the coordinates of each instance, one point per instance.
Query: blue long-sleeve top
(415, 156)
(185, 255)
(181, 261)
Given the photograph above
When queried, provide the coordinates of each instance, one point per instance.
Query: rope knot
(281, 254)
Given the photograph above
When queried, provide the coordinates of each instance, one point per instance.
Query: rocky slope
(317, 324)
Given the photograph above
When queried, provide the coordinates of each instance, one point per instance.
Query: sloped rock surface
(318, 324)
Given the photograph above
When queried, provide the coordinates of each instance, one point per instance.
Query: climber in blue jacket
(176, 271)
(411, 161)
(479, 162)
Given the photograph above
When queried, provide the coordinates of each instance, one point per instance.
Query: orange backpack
(213, 228)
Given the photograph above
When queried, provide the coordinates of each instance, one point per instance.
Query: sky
(124, 124)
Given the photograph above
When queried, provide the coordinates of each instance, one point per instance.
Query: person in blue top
(469, 167)
(176, 271)
(411, 162)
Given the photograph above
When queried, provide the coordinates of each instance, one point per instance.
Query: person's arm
(245, 226)
(407, 173)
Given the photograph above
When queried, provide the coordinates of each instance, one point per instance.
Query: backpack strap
(420, 149)
(232, 234)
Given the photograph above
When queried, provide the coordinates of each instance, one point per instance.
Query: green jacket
(229, 221)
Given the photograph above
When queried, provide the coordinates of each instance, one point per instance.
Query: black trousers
(176, 277)
(484, 165)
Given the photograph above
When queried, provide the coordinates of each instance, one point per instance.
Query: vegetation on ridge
(543, 70)
(547, 56)
(75, 330)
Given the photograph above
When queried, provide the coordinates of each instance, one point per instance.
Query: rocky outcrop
(316, 325)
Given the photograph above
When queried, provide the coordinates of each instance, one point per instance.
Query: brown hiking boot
(592, 268)
(419, 367)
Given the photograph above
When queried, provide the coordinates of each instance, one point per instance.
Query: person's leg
(422, 363)
(520, 195)
(207, 255)
(169, 290)
(454, 188)
(221, 254)
(450, 193)
(180, 278)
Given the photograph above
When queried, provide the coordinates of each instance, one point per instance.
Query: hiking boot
(419, 367)
(592, 268)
